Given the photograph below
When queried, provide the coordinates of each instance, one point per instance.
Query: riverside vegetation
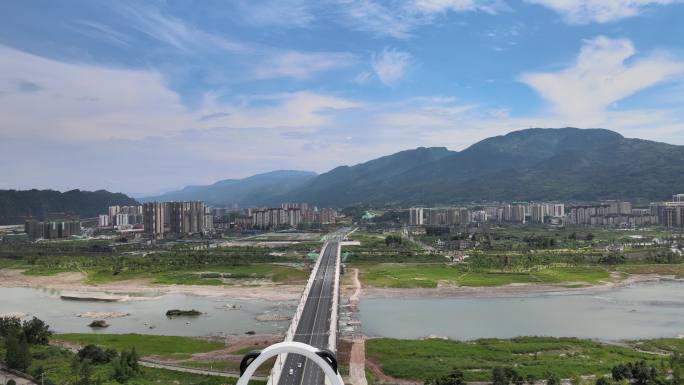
(525, 359)
(103, 359)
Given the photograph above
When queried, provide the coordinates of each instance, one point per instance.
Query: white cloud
(66, 125)
(398, 19)
(438, 6)
(302, 110)
(302, 65)
(601, 76)
(598, 11)
(79, 102)
(391, 65)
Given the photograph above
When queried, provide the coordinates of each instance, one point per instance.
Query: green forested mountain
(252, 191)
(16, 205)
(533, 164)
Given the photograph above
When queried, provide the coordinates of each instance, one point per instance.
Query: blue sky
(148, 96)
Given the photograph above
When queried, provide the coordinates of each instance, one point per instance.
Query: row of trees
(500, 376)
(636, 373)
(18, 335)
(124, 365)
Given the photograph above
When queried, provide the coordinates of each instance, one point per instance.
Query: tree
(17, 355)
(621, 372)
(9, 325)
(677, 365)
(393, 240)
(455, 377)
(504, 376)
(531, 379)
(126, 365)
(95, 354)
(36, 331)
(553, 379)
(11, 382)
(83, 370)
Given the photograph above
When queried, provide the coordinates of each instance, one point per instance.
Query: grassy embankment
(665, 269)
(175, 264)
(537, 356)
(145, 345)
(166, 347)
(429, 276)
(188, 276)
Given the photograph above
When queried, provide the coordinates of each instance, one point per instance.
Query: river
(148, 314)
(637, 311)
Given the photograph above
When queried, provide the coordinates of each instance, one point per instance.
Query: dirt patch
(382, 378)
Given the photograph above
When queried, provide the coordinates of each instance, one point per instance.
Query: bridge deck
(314, 324)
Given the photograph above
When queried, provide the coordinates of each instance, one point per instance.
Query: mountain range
(16, 206)
(567, 164)
(251, 191)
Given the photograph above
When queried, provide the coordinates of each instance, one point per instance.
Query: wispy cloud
(173, 31)
(280, 13)
(302, 65)
(399, 19)
(601, 76)
(598, 11)
(390, 66)
(94, 29)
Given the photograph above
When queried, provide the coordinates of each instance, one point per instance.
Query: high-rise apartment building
(154, 218)
(416, 216)
(103, 220)
(52, 229)
(187, 217)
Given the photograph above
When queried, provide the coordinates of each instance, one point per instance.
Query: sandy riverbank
(512, 290)
(74, 282)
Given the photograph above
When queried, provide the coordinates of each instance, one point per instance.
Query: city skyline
(193, 94)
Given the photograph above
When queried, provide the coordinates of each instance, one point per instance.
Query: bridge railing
(332, 337)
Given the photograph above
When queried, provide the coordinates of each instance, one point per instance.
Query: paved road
(187, 369)
(314, 324)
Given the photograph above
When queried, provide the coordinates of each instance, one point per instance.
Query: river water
(61, 314)
(644, 310)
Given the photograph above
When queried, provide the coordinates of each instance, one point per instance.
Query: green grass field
(145, 345)
(538, 356)
(428, 276)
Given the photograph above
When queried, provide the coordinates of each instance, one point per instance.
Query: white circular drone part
(305, 350)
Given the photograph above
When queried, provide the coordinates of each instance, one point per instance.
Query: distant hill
(567, 164)
(364, 183)
(533, 164)
(16, 205)
(255, 190)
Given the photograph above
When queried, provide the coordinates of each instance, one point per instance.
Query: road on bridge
(314, 324)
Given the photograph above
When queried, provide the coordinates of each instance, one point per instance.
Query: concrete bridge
(315, 321)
